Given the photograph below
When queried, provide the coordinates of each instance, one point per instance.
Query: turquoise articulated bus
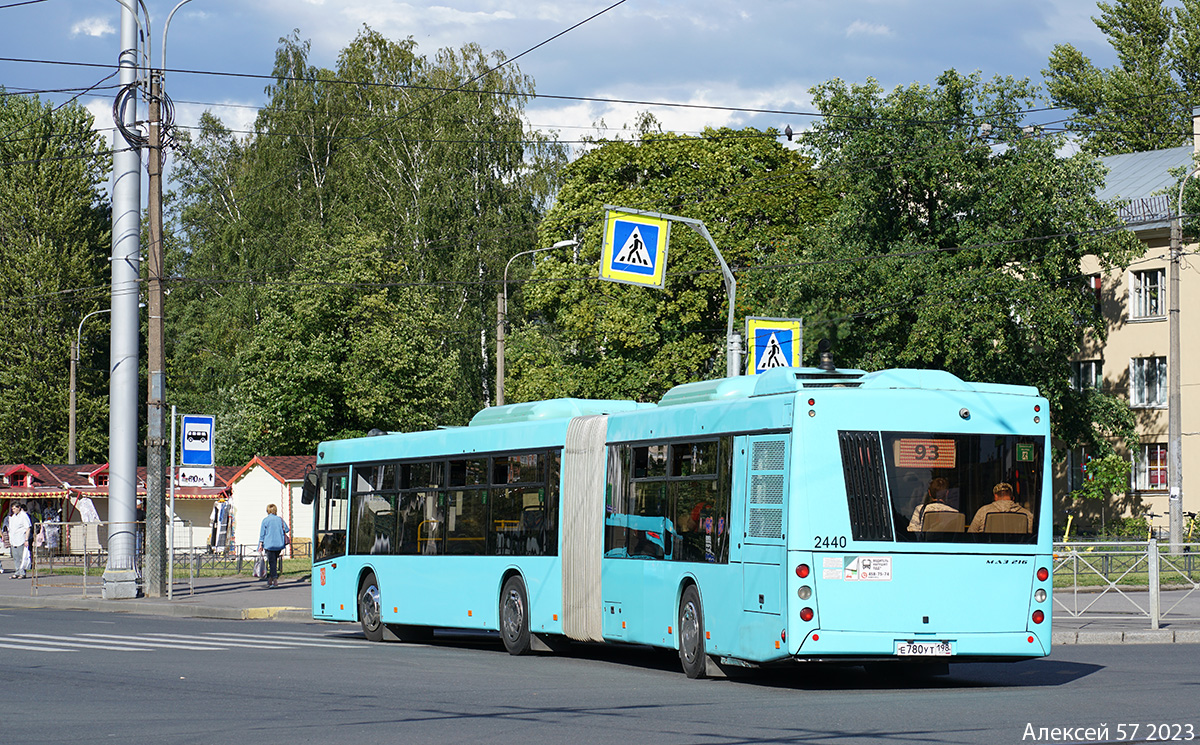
(799, 515)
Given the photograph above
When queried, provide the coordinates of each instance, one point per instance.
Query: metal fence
(1127, 579)
(75, 556)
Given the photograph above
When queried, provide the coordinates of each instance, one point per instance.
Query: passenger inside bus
(1003, 515)
(934, 514)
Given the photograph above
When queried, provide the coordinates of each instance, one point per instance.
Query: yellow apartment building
(1132, 361)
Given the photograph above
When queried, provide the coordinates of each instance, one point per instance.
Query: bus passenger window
(466, 513)
(373, 511)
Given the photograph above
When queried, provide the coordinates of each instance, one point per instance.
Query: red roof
(284, 468)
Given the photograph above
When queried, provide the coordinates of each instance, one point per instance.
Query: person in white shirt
(20, 530)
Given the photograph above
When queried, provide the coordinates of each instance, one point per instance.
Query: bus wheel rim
(689, 631)
(370, 606)
(514, 614)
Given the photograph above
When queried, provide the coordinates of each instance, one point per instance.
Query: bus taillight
(1043, 574)
(806, 614)
(802, 571)
(1038, 616)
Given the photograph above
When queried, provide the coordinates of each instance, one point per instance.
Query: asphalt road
(70, 676)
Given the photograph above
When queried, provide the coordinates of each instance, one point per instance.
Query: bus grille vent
(765, 523)
(768, 456)
(866, 489)
(766, 489)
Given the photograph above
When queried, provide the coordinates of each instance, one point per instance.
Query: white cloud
(93, 27)
(862, 28)
(101, 111)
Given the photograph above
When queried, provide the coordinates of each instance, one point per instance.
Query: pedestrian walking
(272, 538)
(20, 530)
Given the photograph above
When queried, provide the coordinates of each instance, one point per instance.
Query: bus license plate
(924, 649)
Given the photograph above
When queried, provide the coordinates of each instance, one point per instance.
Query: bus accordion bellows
(798, 515)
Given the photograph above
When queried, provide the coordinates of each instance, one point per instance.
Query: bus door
(333, 590)
(764, 551)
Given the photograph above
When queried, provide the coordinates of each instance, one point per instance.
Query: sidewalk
(238, 597)
(1110, 619)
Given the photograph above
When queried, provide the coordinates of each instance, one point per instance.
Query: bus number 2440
(829, 541)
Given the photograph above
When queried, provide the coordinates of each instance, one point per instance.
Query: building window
(1087, 374)
(1148, 381)
(1150, 470)
(1148, 292)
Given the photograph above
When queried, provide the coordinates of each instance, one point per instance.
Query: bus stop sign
(198, 441)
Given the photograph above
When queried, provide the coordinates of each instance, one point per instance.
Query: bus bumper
(859, 645)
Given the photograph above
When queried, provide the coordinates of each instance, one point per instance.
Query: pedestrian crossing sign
(774, 342)
(635, 248)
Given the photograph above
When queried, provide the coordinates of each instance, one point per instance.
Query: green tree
(336, 360)
(588, 338)
(956, 242)
(1145, 101)
(406, 182)
(54, 240)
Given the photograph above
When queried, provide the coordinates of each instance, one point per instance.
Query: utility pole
(1174, 378)
(156, 470)
(120, 572)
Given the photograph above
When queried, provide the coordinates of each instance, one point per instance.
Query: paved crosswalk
(150, 642)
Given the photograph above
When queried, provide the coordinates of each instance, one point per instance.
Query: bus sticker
(868, 569)
(831, 567)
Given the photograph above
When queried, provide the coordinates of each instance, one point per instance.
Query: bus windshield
(963, 488)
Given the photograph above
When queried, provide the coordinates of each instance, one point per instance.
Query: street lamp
(74, 365)
(502, 314)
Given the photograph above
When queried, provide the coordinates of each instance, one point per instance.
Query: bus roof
(794, 379)
(556, 408)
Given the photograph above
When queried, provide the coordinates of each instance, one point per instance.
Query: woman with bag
(19, 530)
(272, 537)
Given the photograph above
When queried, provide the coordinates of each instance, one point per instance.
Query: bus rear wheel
(369, 615)
(514, 616)
(691, 634)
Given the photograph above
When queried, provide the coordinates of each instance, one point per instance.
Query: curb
(1141, 636)
(155, 608)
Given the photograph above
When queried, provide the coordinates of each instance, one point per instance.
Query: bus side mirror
(308, 492)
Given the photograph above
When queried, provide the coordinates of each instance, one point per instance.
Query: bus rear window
(959, 488)
(972, 488)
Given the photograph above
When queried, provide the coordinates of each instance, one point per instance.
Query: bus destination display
(920, 452)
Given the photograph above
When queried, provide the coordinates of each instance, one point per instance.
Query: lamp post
(502, 314)
(74, 364)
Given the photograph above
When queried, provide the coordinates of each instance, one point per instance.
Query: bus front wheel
(514, 616)
(691, 633)
(369, 610)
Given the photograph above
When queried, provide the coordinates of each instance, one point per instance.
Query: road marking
(32, 648)
(154, 641)
(292, 641)
(137, 640)
(341, 638)
(65, 641)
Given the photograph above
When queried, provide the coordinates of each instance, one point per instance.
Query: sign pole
(171, 517)
(611, 258)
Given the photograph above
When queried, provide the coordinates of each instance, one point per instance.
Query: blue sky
(763, 54)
